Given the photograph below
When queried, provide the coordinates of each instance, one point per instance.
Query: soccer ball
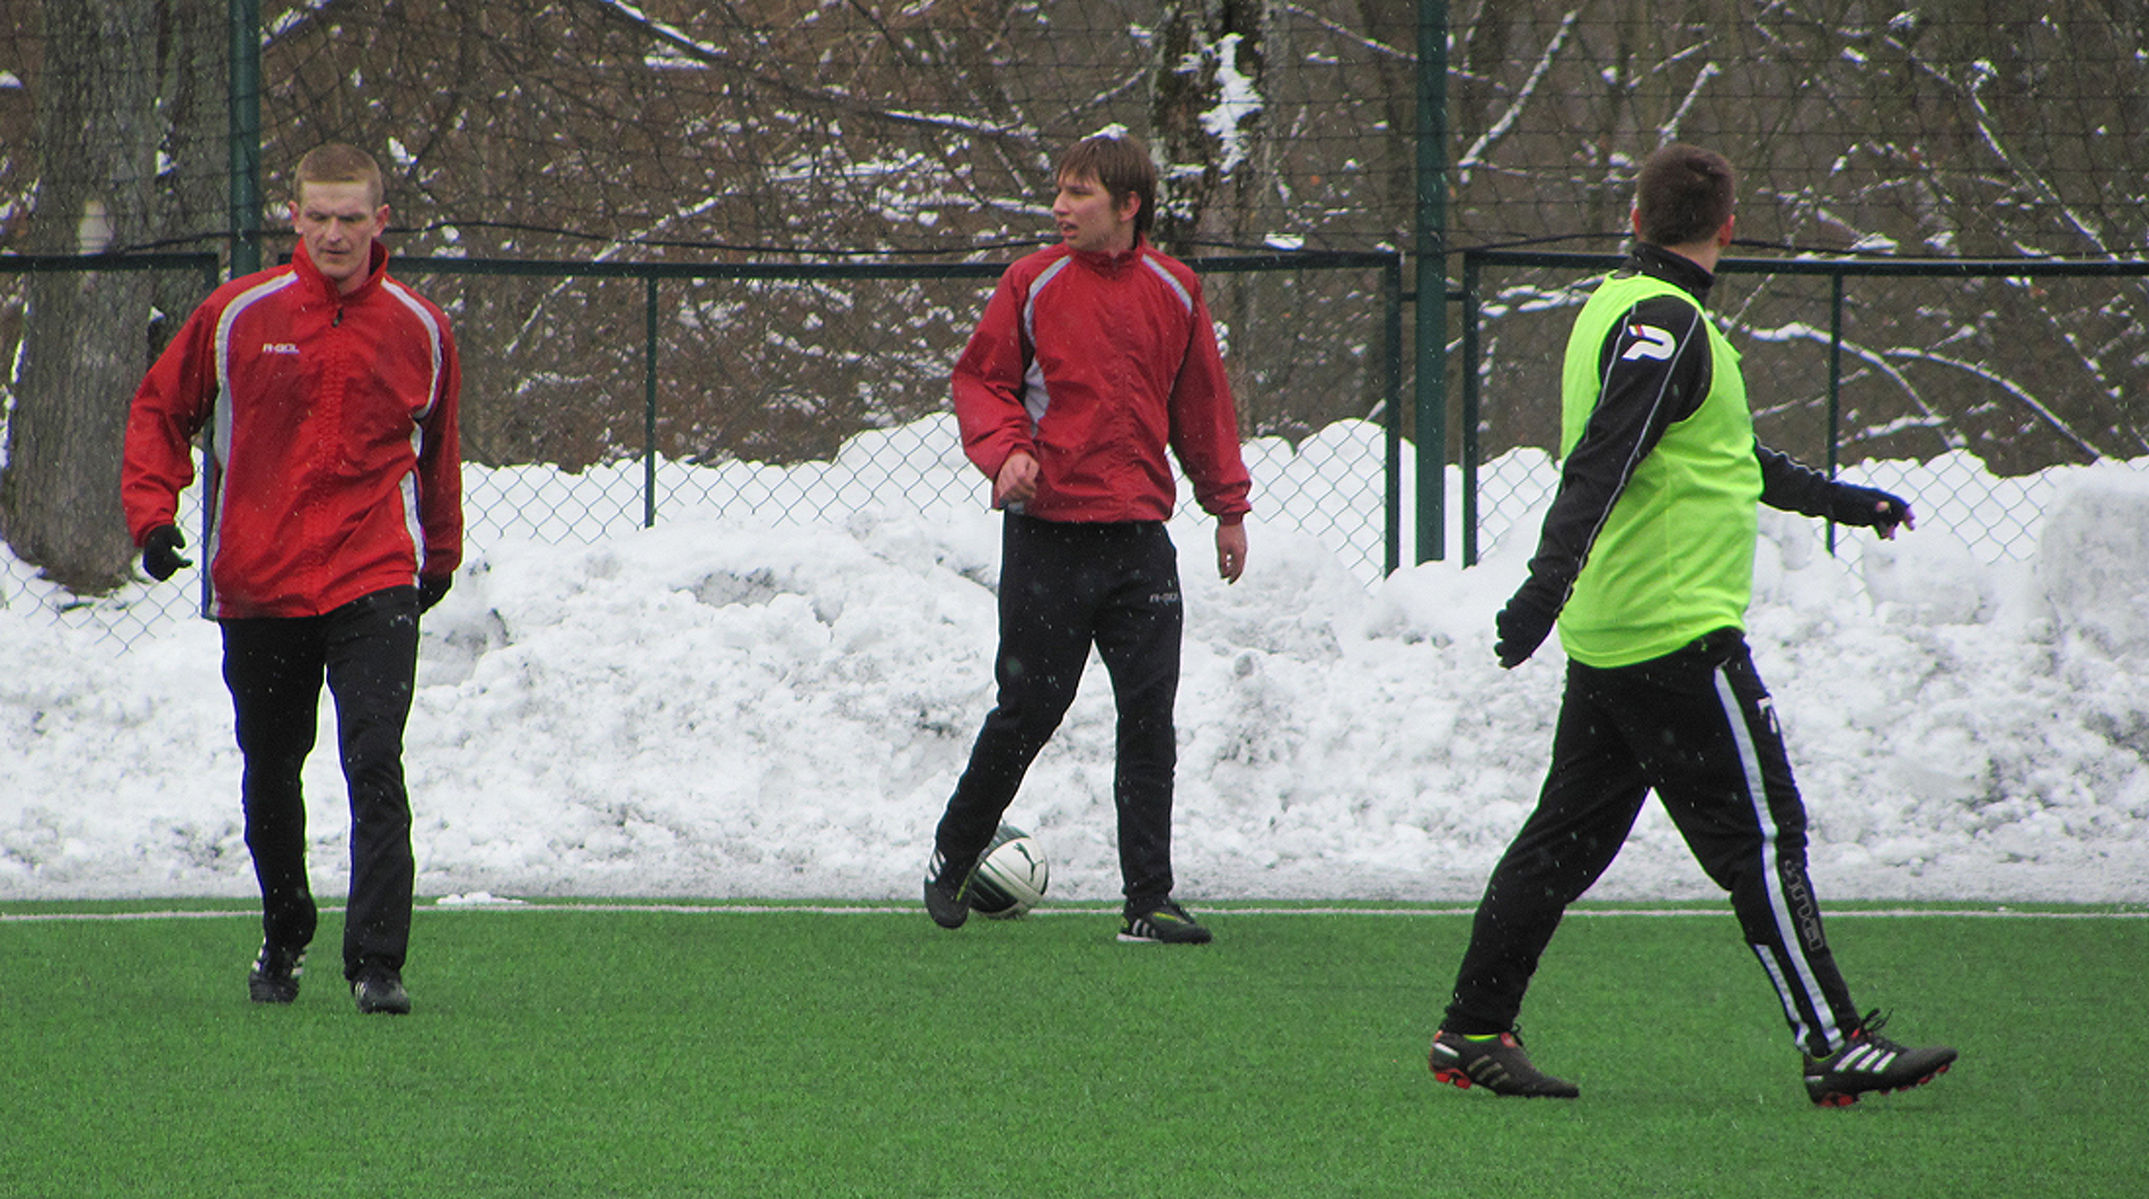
(1010, 878)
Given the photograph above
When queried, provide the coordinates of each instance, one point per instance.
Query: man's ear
(1128, 205)
(1723, 235)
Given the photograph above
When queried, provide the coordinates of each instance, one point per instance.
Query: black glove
(1524, 624)
(1869, 507)
(430, 590)
(160, 552)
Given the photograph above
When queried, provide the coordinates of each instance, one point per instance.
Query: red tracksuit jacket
(339, 471)
(1093, 364)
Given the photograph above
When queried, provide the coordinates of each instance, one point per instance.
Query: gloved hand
(431, 588)
(1870, 507)
(1524, 624)
(160, 552)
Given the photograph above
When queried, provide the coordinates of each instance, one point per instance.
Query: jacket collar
(1682, 272)
(376, 269)
(1112, 264)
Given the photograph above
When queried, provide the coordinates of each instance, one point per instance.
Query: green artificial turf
(658, 1052)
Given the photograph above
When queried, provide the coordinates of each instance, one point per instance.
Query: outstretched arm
(1794, 487)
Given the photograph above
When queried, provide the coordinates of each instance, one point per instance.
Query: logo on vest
(1649, 342)
(280, 347)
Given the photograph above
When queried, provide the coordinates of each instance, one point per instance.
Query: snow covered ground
(735, 705)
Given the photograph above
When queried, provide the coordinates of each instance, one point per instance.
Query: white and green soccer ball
(1011, 877)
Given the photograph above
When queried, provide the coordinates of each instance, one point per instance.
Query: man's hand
(431, 589)
(1231, 551)
(1523, 625)
(1870, 507)
(160, 552)
(1017, 481)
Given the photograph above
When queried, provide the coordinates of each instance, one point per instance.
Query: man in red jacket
(334, 515)
(1093, 357)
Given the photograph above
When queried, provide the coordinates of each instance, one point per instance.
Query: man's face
(1089, 220)
(338, 222)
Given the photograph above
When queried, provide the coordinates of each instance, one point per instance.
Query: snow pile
(722, 707)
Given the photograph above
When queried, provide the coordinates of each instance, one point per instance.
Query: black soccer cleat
(1164, 923)
(275, 974)
(947, 891)
(1870, 1062)
(1498, 1064)
(379, 989)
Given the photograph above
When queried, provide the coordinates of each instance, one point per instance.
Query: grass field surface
(674, 1050)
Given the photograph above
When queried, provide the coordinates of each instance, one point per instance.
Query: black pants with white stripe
(367, 652)
(1697, 727)
(1064, 587)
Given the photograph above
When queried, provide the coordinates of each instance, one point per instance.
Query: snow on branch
(1475, 155)
(679, 42)
(1669, 130)
(1877, 359)
(1348, 34)
(2013, 389)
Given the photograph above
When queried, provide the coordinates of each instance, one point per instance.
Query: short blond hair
(336, 162)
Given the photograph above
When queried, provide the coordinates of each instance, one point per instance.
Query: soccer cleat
(275, 974)
(1870, 1062)
(379, 989)
(947, 892)
(1164, 923)
(1498, 1064)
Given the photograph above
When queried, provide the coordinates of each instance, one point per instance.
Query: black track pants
(1696, 726)
(368, 652)
(1065, 586)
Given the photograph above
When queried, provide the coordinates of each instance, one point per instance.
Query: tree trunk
(1205, 110)
(83, 344)
(193, 194)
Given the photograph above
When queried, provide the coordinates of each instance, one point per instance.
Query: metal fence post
(1470, 408)
(1432, 286)
(244, 98)
(1835, 386)
(1391, 275)
(649, 402)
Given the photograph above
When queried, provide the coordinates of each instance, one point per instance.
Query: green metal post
(244, 101)
(1835, 386)
(1472, 313)
(1432, 286)
(1391, 400)
(649, 402)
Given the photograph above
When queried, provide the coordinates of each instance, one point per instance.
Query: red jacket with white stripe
(1093, 364)
(336, 467)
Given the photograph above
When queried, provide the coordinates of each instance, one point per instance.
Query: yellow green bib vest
(1675, 558)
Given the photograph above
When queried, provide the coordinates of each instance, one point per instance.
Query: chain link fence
(792, 395)
(807, 394)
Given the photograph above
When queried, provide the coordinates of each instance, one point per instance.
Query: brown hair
(1121, 165)
(336, 162)
(1682, 195)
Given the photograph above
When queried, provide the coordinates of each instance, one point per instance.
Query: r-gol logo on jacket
(1649, 342)
(280, 347)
